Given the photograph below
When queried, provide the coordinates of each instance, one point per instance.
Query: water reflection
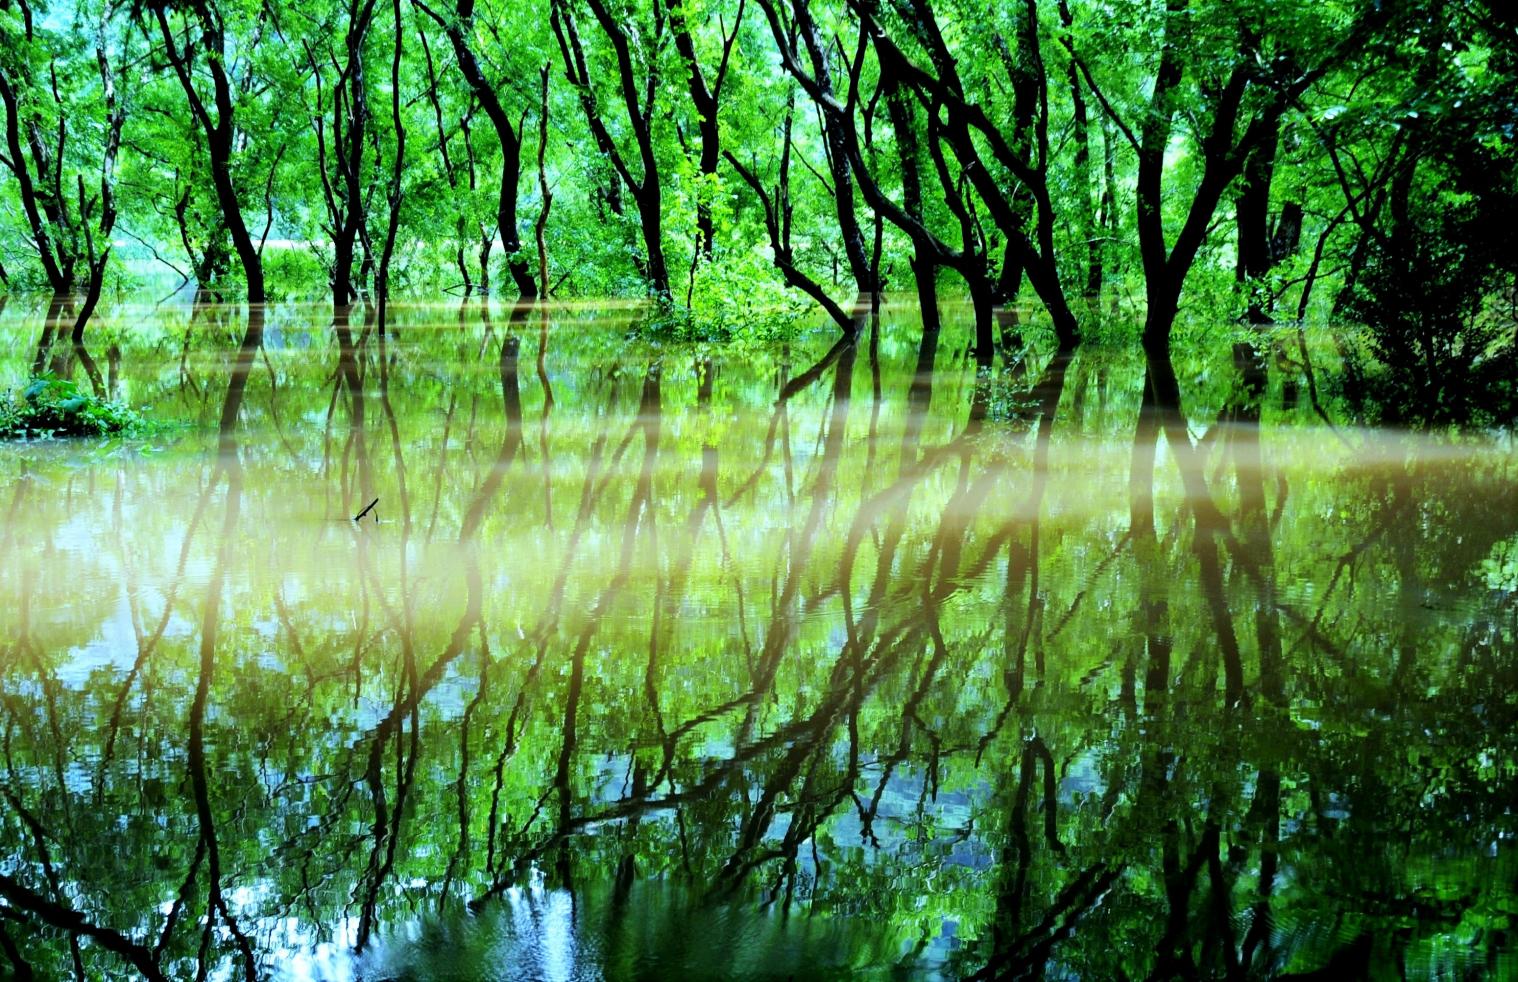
(662, 659)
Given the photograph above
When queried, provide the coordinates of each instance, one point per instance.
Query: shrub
(54, 407)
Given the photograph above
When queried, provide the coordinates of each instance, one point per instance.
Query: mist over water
(798, 659)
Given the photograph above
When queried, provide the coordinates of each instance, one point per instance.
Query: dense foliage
(1269, 156)
(55, 407)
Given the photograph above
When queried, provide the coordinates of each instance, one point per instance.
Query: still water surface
(781, 660)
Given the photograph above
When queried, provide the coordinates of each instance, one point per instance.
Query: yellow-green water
(768, 660)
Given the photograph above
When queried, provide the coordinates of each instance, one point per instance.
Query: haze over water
(762, 660)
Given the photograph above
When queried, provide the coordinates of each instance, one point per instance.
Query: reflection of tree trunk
(91, 368)
(640, 513)
(919, 397)
(1018, 855)
(1153, 578)
(252, 339)
(800, 542)
(541, 633)
(386, 828)
(348, 368)
(52, 328)
(1267, 803)
(462, 852)
(545, 457)
(1173, 955)
(1408, 590)
(216, 903)
(670, 592)
(1211, 526)
(1023, 558)
(1249, 469)
(231, 467)
(113, 371)
(396, 453)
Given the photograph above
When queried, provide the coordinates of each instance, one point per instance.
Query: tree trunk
(218, 141)
(839, 166)
(510, 136)
(1255, 253)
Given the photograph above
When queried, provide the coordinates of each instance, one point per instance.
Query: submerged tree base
(52, 407)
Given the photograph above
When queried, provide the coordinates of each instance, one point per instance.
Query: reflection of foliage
(55, 407)
(788, 673)
(658, 929)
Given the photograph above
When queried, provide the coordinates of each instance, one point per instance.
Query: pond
(795, 659)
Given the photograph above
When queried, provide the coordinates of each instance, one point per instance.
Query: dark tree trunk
(509, 133)
(1256, 256)
(777, 223)
(706, 99)
(1082, 133)
(219, 137)
(1286, 240)
(924, 269)
(645, 189)
(41, 210)
(349, 144)
(397, 169)
(838, 150)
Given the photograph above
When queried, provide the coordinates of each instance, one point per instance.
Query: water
(804, 660)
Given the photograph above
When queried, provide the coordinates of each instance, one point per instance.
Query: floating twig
(367, 509)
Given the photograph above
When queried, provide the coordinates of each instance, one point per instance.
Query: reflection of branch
(789, 390)
(56, 915)
(216, 900)
(145, 649)
(1096, 574)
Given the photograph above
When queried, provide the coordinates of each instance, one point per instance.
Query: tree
(638, 104)
(53, 154)
(202, 31)
(458, 29)
(343, 167)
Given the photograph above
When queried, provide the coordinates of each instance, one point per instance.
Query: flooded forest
(758, 489)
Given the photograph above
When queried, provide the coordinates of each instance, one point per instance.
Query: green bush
(53, 407)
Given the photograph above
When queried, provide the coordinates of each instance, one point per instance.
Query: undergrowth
(50, 407)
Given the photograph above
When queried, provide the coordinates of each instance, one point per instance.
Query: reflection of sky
(306, 958)
(113, 647)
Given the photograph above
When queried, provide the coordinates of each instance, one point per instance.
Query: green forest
(758, 489)
(1262, 160)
